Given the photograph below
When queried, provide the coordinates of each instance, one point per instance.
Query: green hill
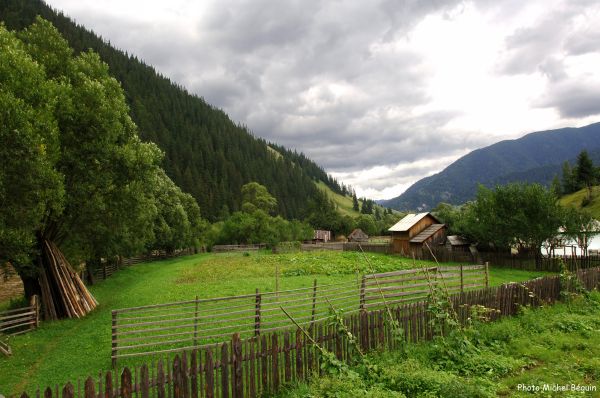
(576, 199)
(344, 202)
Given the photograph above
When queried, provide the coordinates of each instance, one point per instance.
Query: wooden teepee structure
(63, 294)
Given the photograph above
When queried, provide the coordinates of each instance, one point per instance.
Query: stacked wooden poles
(63, 293)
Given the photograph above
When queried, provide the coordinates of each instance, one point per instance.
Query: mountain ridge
(499, 163)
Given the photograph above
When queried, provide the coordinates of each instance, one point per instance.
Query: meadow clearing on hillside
(75, 348)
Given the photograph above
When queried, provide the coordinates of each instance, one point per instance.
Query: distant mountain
(206, 153)
(536, 157)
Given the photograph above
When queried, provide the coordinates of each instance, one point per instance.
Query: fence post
(35, 304)
(462, 284)
(487, 274)
(196, 324)
(90, 391)
(257, 314)
(277, 282)
(69, 391)
(362, 293)
(126, 388)
(103, 271)
(114, 339)
(314, 304)
(237, 376)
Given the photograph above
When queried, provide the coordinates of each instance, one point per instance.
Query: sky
(380, 93)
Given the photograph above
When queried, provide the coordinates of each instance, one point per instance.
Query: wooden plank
(237, 386)
(126, 388)
(160, 380)
(177, 378)
(299, 355)
(264, 366)
(194, 373)
(224, 371)
(69, 391)
(275, 362)
(108, 386)
(287, 357)
(209, 371)
(253, 374)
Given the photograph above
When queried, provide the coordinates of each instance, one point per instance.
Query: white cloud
(380, 93)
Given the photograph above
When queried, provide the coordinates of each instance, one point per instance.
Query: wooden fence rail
(238, 248)
(20, 320)
(170, 327)
(516, 261)
(108, 268)
(260, 365)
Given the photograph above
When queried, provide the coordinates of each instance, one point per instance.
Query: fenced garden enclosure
(261, 364)
(198, 323)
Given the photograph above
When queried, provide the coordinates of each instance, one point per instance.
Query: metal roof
(427, 233)
(407, 222)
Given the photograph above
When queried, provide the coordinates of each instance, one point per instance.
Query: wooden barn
(413, 231)
(358, 235)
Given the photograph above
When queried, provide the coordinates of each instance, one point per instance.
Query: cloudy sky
(380, 93)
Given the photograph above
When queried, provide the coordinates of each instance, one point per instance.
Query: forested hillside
(536, 157)
(206, 153)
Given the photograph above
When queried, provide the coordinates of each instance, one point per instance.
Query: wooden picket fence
(260, 365)
(171, 327)
(108, 268)
(507, 260)
(384, 248)
(238, 248)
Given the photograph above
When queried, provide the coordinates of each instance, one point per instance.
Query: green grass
(70, 349)
(575, 200)
(557, 345)
(344, 203)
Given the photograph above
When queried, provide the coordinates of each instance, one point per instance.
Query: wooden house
(321, 235)
(358, 235)
(414, 230)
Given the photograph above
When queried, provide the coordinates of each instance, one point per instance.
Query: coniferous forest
(206, 153)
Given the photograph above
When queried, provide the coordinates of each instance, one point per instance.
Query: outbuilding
(414, 230)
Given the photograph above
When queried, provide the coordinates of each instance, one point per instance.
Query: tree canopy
(74, 171)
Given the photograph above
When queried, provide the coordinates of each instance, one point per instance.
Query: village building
(358, 235)
(414, 231)
(456, 243)
(321, 236)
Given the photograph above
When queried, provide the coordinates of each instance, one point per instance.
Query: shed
(321, 235)
(456, 243)
(413, 225)
(358, 235)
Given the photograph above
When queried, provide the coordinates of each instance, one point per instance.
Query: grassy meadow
(69, 349)
(576, 199)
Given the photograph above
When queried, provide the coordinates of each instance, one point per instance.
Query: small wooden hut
(414, 230)
(321, 236)
(456, 243)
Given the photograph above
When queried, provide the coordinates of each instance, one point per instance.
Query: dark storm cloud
(574, 99)
(340, 80)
